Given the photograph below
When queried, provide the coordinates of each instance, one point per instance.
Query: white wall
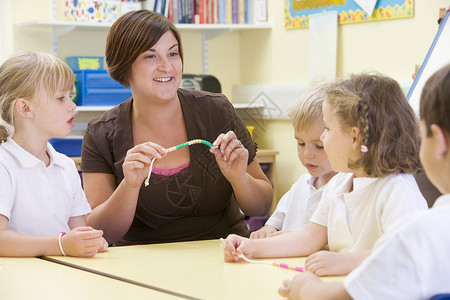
(278, 55)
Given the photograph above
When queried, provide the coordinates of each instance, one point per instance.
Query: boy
(410, 262)
(297, 206)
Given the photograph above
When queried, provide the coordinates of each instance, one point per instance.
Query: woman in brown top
(194, 193)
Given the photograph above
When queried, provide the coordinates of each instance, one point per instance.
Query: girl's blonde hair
(307, 111)
(389, 128)
(25, 75)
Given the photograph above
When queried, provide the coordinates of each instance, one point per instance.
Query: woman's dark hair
(132, 34)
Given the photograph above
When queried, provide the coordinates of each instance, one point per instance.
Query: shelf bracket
(206, 36)
(58, 32)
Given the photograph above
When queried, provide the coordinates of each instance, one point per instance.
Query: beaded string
(171, 149)
(273, 263)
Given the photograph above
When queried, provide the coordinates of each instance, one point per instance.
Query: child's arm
(296, 243)
(306, 286)
(264, 232)
(327, 263)
(82, 241)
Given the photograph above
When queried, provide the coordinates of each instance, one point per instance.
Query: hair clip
(364, 148)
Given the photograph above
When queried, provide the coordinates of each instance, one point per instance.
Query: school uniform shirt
(297, 206)
(355, 220)
(39, 200)
(196, 203)
(411, 261)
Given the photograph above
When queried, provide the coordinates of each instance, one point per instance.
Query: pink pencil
(276, 264)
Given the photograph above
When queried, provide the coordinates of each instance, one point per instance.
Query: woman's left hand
(231, 156)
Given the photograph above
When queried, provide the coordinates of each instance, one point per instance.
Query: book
(174, 11)
(241, 11)
(234, 11)
(229, 13)
(170, 14)
(222, 11)
(260, 11)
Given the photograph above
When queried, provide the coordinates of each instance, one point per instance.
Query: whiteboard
(437, 57)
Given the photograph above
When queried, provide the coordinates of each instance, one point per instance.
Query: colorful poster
(297, 11)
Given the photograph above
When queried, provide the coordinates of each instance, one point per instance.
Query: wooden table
(35, 278)
(193, 269)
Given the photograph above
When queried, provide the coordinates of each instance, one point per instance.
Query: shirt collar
(442, 201)
(360, 183)
(26, 159)
(311, 181)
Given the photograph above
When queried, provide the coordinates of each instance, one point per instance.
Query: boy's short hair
(435, 100)
(307, 110)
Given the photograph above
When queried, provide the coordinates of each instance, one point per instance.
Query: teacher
(195, 192)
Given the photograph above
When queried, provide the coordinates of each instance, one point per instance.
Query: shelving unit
(60, 28)
(209, 31)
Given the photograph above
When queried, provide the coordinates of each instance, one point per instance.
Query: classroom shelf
(60, 28)
(237, 106)
(59, 24)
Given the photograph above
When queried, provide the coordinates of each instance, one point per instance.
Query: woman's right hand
(137, 162)
(83, 241)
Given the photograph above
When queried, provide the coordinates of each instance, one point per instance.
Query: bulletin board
(296, 12)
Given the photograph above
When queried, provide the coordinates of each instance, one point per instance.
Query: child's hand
(327, 263)
(103, 246)
(235, 245)
(83, 242)
(264, 232)
(293, 289)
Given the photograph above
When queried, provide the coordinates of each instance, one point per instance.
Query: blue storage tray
(67, 146)
(97, 88)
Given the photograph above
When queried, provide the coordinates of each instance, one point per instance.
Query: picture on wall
(349, 11)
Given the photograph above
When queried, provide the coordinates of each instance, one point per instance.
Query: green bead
(206, 143)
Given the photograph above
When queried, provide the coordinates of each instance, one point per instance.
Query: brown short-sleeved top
(196, 203)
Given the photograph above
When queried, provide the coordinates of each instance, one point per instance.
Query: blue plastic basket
(97, 88)
(70, 146)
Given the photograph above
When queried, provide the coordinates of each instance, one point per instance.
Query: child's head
(306, 116)
(435, 128)
(25, 75)
(379, 127)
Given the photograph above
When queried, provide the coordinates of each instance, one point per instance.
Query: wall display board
(297, 11)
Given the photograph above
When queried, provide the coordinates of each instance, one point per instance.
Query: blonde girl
(40, 191)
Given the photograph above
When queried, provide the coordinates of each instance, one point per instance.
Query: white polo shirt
(297, 206)
(39, 200)
(356, 219)
(411, 261)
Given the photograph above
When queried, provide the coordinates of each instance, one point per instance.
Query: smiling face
(310, 150)
(157, 72)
